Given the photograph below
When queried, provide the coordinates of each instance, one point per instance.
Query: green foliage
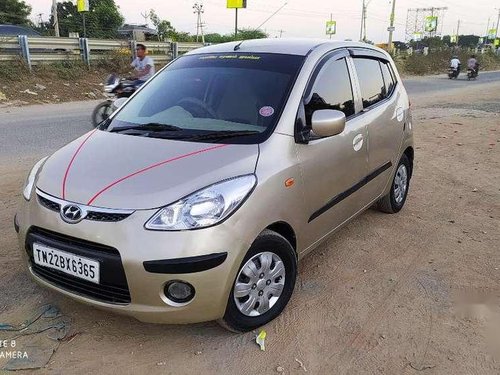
(102, 21)
(15, 12)
(245, 34)
(164, 28)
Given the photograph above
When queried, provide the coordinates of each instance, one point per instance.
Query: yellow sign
(331, 27)
(235, 4)
(82, 5)
(496, 43)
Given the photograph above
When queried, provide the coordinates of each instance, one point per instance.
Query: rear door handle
(357, 142)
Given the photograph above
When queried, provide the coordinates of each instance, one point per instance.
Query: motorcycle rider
(144, 67)
(473, 64)
(455, 64)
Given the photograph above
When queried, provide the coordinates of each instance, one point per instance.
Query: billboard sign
(331, 27)
(236, 4)
(431, 23)
(453, 38)
(82, 5)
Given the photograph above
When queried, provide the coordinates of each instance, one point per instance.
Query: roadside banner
(331, 27)
(83, 5)
(236, 4)
(431, 23)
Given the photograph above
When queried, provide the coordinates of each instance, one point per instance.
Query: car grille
(113, 287)
(103, 216)
(54, 206)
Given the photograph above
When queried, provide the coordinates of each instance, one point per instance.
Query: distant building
(136, 32)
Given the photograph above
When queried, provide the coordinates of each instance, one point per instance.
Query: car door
(383, 115)
(331, 167)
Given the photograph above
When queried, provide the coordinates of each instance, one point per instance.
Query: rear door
(383, 116)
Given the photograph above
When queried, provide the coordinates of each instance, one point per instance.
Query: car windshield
(229, 98)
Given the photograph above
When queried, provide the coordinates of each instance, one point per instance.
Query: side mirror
(118, 103)
(328, 122)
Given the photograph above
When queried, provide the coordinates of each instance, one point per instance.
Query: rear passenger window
(388, 79)
(331, 90)
(370, 81)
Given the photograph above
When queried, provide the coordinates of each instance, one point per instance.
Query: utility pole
(331, 19)
(281, 32)
(40, 21)
(391, 26)
(362, 31)
(55, 19)
(487, 28)
(498, 22)
(198, 9)
(458, 28)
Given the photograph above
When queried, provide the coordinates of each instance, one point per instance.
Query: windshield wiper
(149, 127)
(208, 136)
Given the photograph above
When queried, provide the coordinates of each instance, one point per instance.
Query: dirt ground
(412, 293)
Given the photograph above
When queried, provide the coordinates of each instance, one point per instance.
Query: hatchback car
(197, 197)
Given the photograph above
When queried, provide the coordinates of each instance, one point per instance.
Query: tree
(102, 20)
(15, 12)
(245, 34)
(164, 28)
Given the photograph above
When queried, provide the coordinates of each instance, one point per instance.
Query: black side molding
(185, 265)
(340, 197)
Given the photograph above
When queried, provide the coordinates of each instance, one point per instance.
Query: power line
(198, 10)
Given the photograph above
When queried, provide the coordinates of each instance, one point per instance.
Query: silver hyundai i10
(197, 197)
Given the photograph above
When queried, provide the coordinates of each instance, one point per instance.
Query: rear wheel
(263, 285)
(395, 200)
(101, 112)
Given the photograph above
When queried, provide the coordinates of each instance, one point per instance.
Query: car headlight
(30, 181)
(204, 208)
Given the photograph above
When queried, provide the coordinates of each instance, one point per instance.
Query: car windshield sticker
(266, 111)
(230, 57)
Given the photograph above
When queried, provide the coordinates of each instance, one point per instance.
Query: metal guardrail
(35, 50)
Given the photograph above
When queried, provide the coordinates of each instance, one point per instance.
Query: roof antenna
(237, 47)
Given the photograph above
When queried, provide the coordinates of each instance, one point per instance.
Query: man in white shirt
(455, 63)
(144, 67)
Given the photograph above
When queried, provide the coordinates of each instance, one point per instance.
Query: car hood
(132, 172)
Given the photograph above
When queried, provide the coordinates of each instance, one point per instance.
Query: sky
(306, 18)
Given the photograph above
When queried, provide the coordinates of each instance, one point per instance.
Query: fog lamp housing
(179, 291)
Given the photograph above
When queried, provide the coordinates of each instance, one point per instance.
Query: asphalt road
(37, 130)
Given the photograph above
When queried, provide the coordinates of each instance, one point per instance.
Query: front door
(332, 167)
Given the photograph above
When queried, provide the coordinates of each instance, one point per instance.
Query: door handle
(357, 142)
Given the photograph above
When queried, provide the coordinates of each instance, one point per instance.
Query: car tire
(394, 201)
(239, 317)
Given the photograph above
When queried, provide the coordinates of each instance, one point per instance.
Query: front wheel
(101, 112)
(395, 200)
(263, 285)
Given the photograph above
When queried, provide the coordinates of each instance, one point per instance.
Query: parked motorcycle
(453, 72)
(115, 88)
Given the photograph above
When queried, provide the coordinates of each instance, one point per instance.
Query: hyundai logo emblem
(72, 214)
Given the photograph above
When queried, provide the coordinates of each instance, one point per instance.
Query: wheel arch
(284, 229)
(410, 154)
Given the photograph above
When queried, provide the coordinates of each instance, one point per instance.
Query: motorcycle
(115, 88)
(472, 73)
(453, 72)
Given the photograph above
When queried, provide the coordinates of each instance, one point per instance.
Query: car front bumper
(208, 259)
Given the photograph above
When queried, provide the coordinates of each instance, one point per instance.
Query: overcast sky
(306, 18)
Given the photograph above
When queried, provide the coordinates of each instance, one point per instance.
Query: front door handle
(357, 142)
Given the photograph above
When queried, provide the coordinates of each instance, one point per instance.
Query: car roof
(289, 46)
(14, 30)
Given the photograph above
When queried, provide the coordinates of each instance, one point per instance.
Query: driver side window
(331, 90)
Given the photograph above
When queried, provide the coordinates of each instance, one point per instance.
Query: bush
(437, 62)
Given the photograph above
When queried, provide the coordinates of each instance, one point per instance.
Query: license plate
(72, 264)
